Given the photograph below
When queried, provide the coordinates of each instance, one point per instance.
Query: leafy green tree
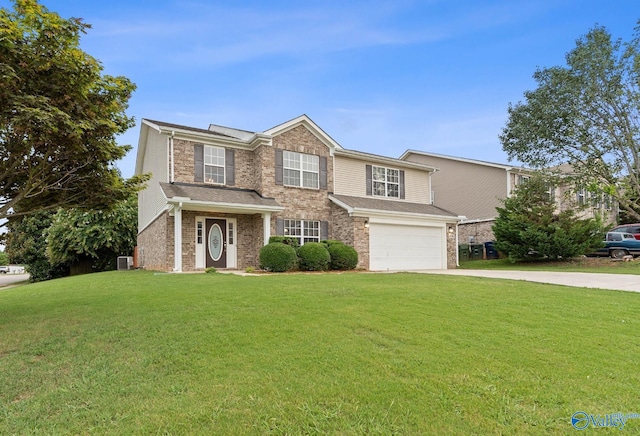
(529, 226)
(586, 114)
(95, 238)
(4, 258)
(59, 116)
(26, 244)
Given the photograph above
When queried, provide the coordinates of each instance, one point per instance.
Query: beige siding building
(474, 189)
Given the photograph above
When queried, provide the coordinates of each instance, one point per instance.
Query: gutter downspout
(457, 244)
(171, 157)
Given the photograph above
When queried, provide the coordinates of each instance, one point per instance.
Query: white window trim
(301, 170)
(386, 182)
(305, 225)
(581, 197)
(223, 166)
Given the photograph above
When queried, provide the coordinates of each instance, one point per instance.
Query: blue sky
(378, 76)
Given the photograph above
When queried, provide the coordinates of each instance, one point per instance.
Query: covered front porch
(217, 227)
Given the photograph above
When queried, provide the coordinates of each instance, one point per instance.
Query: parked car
(4, 269)
(634, 229)
(618, 245)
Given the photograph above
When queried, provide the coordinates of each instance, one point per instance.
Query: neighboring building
(474, 189)
(216, 196)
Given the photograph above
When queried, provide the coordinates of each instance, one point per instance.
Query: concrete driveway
(620, 282)
(9, 279)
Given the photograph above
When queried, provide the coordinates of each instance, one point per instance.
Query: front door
(216, 243)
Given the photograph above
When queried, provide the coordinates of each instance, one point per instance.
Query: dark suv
(634, 229)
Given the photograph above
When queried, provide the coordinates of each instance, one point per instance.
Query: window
(581, 196)
(300, 169)
(304, 231)
(614, 237)
(386, 182)
(199, 232)
(231, 236)
(522, 179)
(214, 165)
(551, 193)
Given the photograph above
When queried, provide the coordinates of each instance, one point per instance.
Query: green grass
(143, 353)
(583, 264)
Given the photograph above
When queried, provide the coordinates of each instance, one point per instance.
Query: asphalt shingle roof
(391, 206)
(215, 194)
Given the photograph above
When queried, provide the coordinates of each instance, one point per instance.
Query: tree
(585, 114)
(26, 244)
(95, 238)
(58, 117)
(529, 226)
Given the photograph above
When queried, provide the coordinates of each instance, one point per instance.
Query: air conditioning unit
(125, 263)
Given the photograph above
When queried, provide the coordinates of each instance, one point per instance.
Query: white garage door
(401, 248)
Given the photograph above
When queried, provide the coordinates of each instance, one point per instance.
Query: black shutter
(279, 227)
(369, 179)
(323, 172)
(279, 167)
(402, 184)
(198, 163)
(230, 164)
(324, 230)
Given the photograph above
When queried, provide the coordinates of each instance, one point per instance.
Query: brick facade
(476, 232)
(351, 231)
(299, 203)
(255, 169)
(151, 254)
(452, 249)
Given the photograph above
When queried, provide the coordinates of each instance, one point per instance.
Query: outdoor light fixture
(451, 230)
(366, 224)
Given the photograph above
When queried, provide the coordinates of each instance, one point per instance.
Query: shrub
(288, 240)
(330, 242)
(314, 256)
(211, 270)
(277, 257)
(343, 256)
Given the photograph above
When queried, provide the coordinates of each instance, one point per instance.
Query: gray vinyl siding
(469, 189)
(151, 201)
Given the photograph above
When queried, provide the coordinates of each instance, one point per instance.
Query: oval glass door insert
(215, 242)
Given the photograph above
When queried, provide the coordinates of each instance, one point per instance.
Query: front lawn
(354, 353)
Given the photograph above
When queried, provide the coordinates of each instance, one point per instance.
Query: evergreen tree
(529, 226)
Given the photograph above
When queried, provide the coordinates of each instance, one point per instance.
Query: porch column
(266, 226)
(177, 237)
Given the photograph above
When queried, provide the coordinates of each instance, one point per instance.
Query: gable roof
(304, 120)
(384, 160)
(160, 125)
(194, 134)
(367, 206)
(505, 167)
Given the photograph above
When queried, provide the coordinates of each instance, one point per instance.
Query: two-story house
(216, 195)
(474, 188)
